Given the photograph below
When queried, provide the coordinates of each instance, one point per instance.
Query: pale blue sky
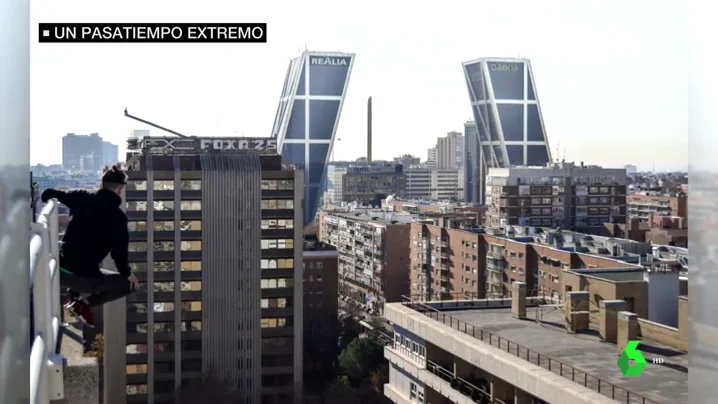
(610, 74)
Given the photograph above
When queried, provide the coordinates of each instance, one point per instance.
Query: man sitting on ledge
(98, 227)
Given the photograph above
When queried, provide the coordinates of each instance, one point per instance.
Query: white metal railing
(46, 364)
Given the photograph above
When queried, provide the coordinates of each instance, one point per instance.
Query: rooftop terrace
(580, 357)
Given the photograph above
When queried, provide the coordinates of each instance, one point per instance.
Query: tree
(379, 377)
(361, 357)
(349, 330)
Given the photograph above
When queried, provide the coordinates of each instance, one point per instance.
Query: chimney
(577, 311)
(518, 299)
(608, 318)
(368, 132)
(626, 330)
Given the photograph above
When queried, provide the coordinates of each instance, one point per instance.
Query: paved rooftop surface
(662, 383)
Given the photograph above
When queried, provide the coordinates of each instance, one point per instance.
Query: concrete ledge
(394, 395)
(82, 374)
(525, 375)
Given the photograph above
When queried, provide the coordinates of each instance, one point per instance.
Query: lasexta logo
(631, 353)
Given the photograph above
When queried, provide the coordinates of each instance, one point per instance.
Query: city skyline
(416, 98)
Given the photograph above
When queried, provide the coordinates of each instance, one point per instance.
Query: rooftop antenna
(305, 47)
(127, 114)
(564, 153)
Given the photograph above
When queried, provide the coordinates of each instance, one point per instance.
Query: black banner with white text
(153, 33)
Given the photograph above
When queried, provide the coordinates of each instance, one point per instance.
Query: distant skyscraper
(450, 150)
(110, 154)
(308, 114)
(472, 166)
(431, 157)
(82, 152)
(507, 113)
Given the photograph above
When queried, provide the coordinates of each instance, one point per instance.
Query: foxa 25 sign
(238, 144)
(329, 61)
(207, 144)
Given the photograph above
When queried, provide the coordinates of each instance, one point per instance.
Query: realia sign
(328, 61)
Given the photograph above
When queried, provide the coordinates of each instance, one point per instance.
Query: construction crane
(127, 114)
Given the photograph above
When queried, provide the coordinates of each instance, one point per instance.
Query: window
(191, 246)
(136, 369)
(137, 185)
(192, 286)
(164, 246)
(275, 322)
(163, 226)
(163, 286)
(413, 390)
(281, 243)
(137, 246)
(281, 263)
(138, 266)
(191, 185)
(275, 302)
(163, 307)
(136, 348)
(191, 205)
(133, 389)
(164, 266)
(137, 226)
(277, 184)
(191, 265)
(163, 185)
(278, 224)
(276, 283)
(276, 342)
(186, 225)
(277, 204)
(191, 326)
(164, 205)
(136, 206)
(192, 305)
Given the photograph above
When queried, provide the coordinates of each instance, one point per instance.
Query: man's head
(114, 180)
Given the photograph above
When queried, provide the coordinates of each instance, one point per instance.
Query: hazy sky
(608, 74)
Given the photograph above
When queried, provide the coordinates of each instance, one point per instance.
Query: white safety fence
(46, 363)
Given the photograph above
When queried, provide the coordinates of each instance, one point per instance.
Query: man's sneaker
(80, 310)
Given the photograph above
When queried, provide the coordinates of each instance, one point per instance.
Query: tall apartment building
(451, 261)
(335, 173)
(473, 170)
(450, 151)
(321, 325)
(431, 157)
(370, 183)
(434, 184)
(216, 242)
(82, 152)
(373, 257)
(580, 198)
(645, 206)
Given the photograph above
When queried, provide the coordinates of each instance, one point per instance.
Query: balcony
(58, 370)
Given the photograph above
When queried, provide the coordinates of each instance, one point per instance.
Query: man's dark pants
(104, 288)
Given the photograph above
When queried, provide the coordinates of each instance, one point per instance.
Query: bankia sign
(216, 144)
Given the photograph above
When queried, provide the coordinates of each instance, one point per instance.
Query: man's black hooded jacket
(98, 227)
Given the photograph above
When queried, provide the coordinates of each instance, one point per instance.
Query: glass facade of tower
(308, 116)
(508, 116)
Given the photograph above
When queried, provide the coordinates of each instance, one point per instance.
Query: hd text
(157, 33)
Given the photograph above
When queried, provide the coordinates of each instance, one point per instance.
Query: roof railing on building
(563, 369)
(46, 362)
